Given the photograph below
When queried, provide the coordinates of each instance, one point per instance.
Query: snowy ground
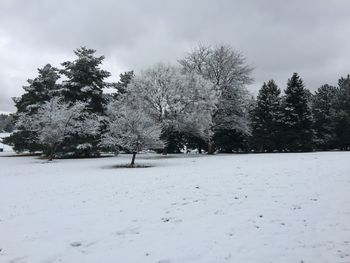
(5, 147)
(223, 208)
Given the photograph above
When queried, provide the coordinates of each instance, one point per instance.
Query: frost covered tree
(266, 117)
(229, 72)
(154, 90)
(198, 105)
(220, 64)
(55, 121)
(296, 116)
(169, 96)
(131, 129)
(40, 90)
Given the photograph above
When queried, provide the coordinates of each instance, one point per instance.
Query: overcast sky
(311, 37)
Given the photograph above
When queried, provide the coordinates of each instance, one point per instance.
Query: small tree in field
(131, 129)
(56, 121)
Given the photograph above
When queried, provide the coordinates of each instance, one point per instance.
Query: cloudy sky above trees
(278, 38)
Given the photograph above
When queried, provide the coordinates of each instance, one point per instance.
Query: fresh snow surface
(222, 208)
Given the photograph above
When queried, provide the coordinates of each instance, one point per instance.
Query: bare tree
(219, 64)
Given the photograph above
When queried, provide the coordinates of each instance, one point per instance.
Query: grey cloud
(278, 37)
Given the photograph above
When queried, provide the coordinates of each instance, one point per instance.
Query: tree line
(201, 102)
(6, 123)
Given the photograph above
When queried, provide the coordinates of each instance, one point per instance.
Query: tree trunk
(52, 153)
(165, 150)
(210, 148)
(133, 158)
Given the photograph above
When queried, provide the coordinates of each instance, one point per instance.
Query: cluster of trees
(300, 120)
(200, 103)
(165, 108)
(6, 123)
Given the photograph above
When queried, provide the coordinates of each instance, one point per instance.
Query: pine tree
(296, 116)
(124, 80)
(266, 126)
(324, 113)
(344, 94)
(6, 123)
(85, 83)
(343, 114)
(40, 90)
(86, 80)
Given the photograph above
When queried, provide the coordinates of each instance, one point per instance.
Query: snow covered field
(223, 208)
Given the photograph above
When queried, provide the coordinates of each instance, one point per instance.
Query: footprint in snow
(296, 207)
(18, 260)
(128, 231)
(170, 219)
(75, 244)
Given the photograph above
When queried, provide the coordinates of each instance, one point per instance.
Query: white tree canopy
(131, 129)
(175, 99)
(56, 120)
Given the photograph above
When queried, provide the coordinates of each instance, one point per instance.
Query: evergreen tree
(6, 123)
(85, 83)
(342, 130)
(124, 80)
(343, 114)
(266, 126)
(40, 90)
(297, 117)
(86, 80)
(228, 141)
(325, 114)
(344, 94)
